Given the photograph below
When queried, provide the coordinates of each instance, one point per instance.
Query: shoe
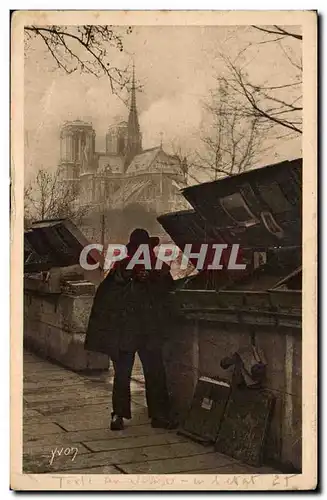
(117, 423)
(161, 423)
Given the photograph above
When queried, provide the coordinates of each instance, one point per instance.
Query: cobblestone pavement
(66, 429)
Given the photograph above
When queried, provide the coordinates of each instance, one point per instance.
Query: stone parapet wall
(55, 327)
(210, 326)
(220, 323)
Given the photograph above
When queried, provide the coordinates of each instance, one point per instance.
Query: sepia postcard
(164, 250)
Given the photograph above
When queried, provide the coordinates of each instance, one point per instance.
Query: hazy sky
(177, 68)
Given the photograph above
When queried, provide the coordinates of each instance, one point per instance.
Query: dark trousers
(157, 397)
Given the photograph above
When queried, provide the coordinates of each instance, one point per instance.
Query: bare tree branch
(278, 31)
(278, 105)
(257, 99)
(85, 48)
(290, 60)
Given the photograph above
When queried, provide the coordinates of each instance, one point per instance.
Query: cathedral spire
(134, 139)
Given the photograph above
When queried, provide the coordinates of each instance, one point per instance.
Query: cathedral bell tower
(77, 146)
(134, 137)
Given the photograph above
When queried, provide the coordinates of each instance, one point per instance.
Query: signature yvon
(68, 452)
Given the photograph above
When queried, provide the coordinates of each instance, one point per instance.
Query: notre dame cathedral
(125, 174)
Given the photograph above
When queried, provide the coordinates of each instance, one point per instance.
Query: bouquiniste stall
(259, 308)
(222, 316)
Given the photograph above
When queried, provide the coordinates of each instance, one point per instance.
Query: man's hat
(141, 237)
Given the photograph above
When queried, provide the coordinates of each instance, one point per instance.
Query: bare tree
(232, 141)
(243, 115)
(47, 197)
(278, 105)
(88, 48)
(27, 207)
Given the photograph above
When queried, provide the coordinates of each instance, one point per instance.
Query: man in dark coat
(130, 314)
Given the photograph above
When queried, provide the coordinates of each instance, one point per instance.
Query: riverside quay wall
(214, 325)
(210, 326)
(216, 314)
(55, 324)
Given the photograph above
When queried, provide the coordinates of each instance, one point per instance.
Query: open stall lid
(260, 208)
(55, 243)
(188, 227)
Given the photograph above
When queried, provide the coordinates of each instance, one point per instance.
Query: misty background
(177, 68)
